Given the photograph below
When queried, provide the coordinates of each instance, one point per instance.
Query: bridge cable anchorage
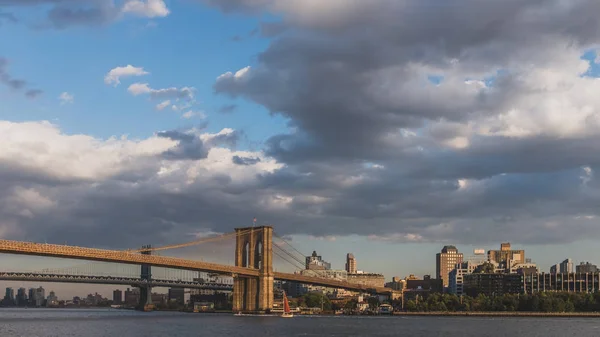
(191, 243)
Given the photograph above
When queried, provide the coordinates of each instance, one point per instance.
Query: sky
(384, 128)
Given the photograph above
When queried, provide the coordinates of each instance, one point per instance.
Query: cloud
(245, 161)
(229, 108)
(470, 122)
(62, 186)
(13, 83)
(192, 114)
(115, 74)
(7, 17)
(66, 98)
(61, 14)
(137, 89)
(147, 8)
(163, 104)
(492, 122)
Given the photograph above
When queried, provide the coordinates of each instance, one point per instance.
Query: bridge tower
(254, 249)
(146, 291)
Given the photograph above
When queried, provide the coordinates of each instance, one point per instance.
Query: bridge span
(116, 280)
(253, 270)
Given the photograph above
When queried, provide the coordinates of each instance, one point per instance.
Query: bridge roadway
(130, 281)
(129, 257)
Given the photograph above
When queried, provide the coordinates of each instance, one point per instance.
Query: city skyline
(158, 122)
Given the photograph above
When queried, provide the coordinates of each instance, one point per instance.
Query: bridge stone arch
(254, 249)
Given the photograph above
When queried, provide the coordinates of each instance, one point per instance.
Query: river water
(121, 323)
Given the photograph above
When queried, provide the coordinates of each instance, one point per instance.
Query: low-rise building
(492, 284)
(586, 268)
(569, 282)
(456, 277)
(367, 279)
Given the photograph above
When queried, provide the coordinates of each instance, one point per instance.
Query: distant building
(456, 276)
(567, 282)
(566, 266)
(52, 299)
(396, 284)
(9, 296)
(586, 268)
(316, 262)
(177, 295)
(37, 297)
(426, 284)
(445, 262)
(492, 284)
(132, 297)
(117, 296)
(21, 299)
(294, 289)
(368, 279)
(506, 257)
(351, 266)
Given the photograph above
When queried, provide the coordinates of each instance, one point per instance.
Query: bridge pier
(254, 249)
(145, 303)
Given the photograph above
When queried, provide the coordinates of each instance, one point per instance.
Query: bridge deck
(93, 254)
(129, 281)
(105, 255)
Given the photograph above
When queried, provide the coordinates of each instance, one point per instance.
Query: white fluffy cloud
(146, 8)
(51, 176)
(137, 89)
(162, 105)
(66, 98)
(192, 114)
(114, 75)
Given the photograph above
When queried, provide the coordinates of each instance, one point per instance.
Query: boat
(287, 313)
(239, 313)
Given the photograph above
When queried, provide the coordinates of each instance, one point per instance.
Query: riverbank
(501, 314)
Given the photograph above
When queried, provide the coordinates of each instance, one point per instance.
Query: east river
(121, 323)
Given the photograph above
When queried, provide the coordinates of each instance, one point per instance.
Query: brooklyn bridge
(252, 272)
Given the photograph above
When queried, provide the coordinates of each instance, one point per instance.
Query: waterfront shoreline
(501, 314)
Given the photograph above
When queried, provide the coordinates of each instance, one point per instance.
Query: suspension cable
(289, 244)
(191, 243)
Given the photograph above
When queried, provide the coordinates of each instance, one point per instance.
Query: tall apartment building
(350, 264)
(506, 257)
(445, 261)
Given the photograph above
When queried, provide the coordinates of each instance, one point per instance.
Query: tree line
(538, 302)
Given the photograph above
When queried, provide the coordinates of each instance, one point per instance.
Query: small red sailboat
(287, 313)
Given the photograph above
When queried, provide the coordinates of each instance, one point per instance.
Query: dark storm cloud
(189, 147)
(245, 160)
(376, 148)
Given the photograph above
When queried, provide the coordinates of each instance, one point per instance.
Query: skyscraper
(21, 297)
(117, 296)
(445, 261)
(566, 266)
(9, 297)
(350, 264)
